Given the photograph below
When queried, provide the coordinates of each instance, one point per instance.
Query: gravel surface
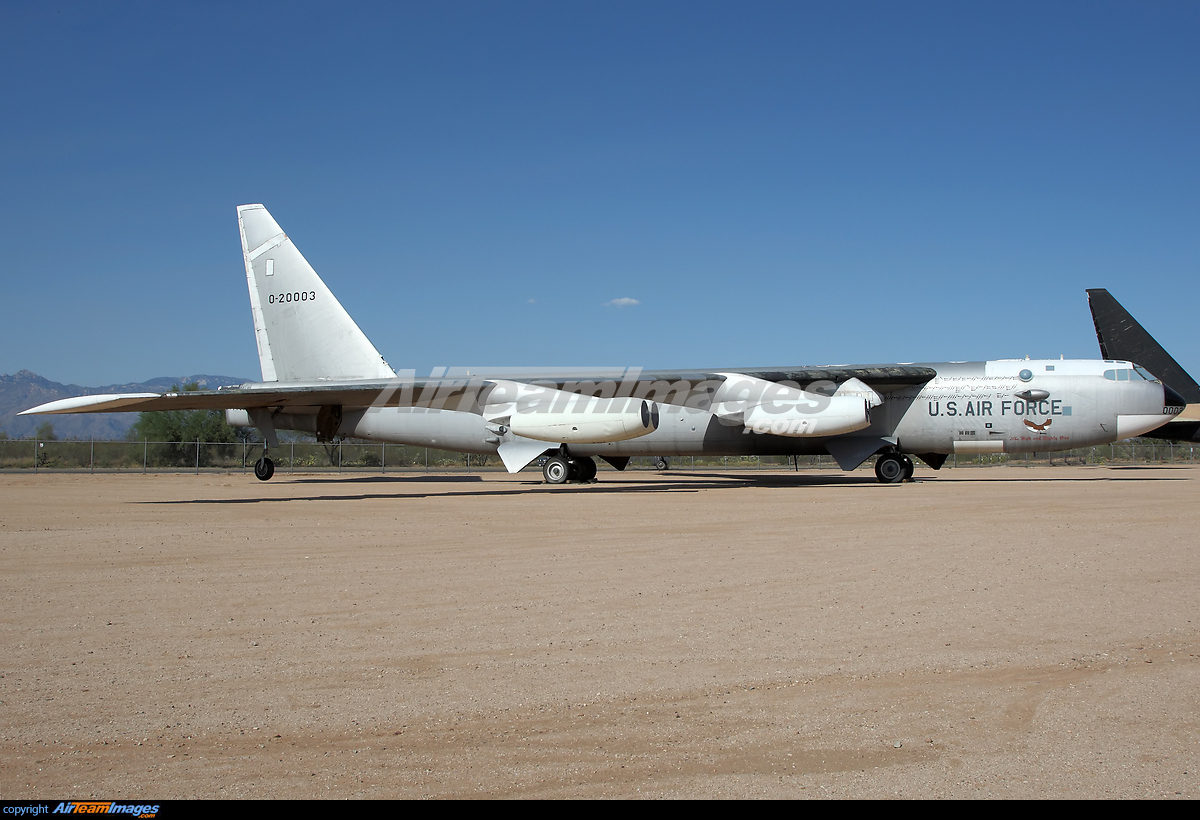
(1003, 632)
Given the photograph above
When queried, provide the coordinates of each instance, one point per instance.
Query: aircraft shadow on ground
(389, 479)
(617, 483)
(692, 483)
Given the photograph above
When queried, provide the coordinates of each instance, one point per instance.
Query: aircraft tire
(889, 469)
(586, 468)
(556, 470)
(909, 468)
(661, 464)
(264, 468)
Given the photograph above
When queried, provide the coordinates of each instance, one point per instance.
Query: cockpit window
(1137, 374)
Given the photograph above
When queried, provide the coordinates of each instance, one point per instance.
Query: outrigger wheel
(264, 468)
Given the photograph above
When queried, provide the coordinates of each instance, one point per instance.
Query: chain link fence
(371, 457)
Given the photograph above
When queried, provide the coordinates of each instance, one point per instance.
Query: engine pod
(548, 414)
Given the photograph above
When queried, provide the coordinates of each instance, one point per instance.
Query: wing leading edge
(681, 388)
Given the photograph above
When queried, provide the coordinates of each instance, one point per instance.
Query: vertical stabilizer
(303, 332)
(1121, 337)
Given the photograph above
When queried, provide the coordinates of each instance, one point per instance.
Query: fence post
(35, 454)
(383, 460)
(92, 457)
(197, 455)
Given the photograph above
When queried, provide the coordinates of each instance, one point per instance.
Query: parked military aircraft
(1121, 336)
(321, 375)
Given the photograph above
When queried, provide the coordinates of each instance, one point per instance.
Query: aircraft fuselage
(1004, 406)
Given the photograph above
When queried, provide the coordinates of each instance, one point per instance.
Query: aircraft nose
(1173, 399)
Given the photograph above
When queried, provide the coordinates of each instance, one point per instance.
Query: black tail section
(1121, 337)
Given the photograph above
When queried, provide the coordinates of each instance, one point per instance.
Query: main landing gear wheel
(909, 467)
(661, 464)
(560, 470)
(585, 469)
(890, 468)
(264, 468)
(556, 470)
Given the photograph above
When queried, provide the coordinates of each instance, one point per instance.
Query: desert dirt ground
(1002, 632)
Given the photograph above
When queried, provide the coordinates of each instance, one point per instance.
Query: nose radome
(1173, 399)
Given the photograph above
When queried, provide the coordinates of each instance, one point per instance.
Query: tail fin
(1121, 337)
(303, 332)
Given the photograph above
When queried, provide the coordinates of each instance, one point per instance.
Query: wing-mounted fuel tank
(786, 410)
(548, 414)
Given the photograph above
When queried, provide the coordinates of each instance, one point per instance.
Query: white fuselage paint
(970, 407)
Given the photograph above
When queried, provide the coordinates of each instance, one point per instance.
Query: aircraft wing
(672, 387)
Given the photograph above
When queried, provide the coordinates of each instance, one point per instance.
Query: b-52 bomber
(321, 375)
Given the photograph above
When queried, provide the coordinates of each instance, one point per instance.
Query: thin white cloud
(624, 301)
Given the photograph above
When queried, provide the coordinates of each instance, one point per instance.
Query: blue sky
(774, 183)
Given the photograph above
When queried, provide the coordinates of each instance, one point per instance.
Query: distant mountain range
(26, 389)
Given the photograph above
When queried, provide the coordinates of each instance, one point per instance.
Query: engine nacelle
(843, 414)
(782, 409)
(548, 414)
